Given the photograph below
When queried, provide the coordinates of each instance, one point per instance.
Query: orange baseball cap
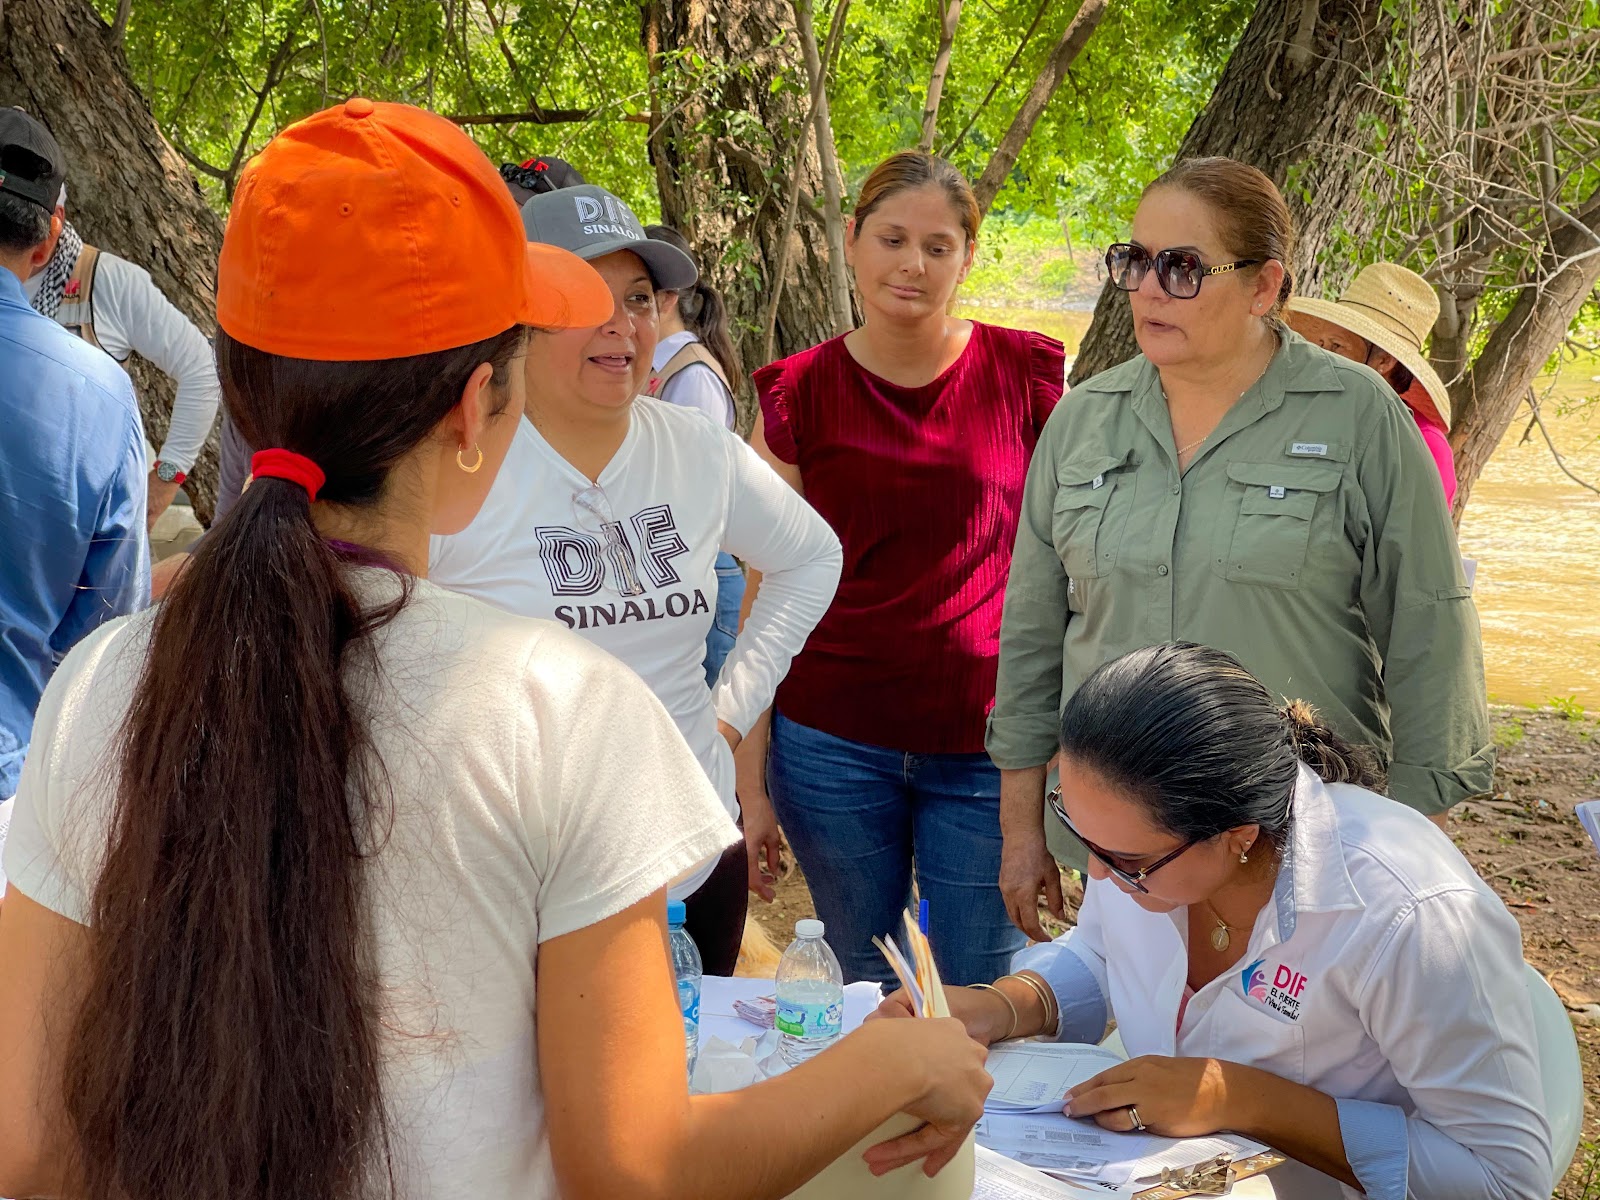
(373, 231)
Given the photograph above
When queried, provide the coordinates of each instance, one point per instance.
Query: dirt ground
(1528, 844)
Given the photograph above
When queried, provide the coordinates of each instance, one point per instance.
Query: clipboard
(1210, 1178)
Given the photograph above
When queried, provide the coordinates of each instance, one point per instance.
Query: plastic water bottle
(686, 966)
(810, 995)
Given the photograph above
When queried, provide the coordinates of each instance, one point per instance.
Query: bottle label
(689, 1001)
(809, 1020)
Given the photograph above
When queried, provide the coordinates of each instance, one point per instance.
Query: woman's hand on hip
(1027, 868)
(1176, 1097)
(955, 1085)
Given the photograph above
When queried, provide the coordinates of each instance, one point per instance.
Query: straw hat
(1394, 309)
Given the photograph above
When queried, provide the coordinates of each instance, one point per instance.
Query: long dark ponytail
(228, 1043)
(1201, 743)
(704, 312)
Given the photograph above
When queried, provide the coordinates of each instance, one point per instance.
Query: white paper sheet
(1085, 1152)
(1034, 1077)
(1001, 1178)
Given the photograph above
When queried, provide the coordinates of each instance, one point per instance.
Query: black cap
(537, 176)
(31, 163)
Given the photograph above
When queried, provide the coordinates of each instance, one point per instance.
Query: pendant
(1219, 938)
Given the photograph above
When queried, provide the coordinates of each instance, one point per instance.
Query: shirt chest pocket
(1266, 523)
(1082, 522)
(1244, 1030)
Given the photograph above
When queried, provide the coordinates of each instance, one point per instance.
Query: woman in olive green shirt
(1235, 486)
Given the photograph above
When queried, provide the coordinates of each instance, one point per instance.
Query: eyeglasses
(1179, 272)
(592, 510)
(1134, 879)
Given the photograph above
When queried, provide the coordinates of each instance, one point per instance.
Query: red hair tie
(286, 464)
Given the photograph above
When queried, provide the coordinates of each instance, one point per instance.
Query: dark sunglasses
(1134, 879)
(1179, 272)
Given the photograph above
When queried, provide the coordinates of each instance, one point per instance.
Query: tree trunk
(127, 190)
(840, 297)
(1282, 120)
(1037, 100)
(724, 188)
(1486, 398)
(949, 18)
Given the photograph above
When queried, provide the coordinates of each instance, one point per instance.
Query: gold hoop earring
(462, 463)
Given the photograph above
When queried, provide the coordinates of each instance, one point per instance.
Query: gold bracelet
(1047, 1001)
(1016, 1017)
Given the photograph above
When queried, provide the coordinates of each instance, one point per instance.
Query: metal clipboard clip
(1213, 1177)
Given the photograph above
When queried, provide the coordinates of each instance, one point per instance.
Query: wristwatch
(168, 473)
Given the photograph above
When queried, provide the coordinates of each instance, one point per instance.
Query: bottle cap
(675, 914)
(808, 929)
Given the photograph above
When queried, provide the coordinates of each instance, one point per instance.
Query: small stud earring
(462, 462)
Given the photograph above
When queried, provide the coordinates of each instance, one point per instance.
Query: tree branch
(119, 27)
(1533, 403)
(832, 201)
(543, 116)
(949, 16)
(1521, 52)
(1005, 71)
(1298, 56)
(1005, 156)
(781, 267)
(195, 161)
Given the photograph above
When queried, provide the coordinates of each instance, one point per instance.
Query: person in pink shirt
(1381, 320)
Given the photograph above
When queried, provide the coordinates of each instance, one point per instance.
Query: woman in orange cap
(296, 947)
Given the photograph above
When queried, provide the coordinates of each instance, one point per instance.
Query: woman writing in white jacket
(609, 516)
(1287, 954)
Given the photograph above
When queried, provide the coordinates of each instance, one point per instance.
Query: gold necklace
(1202, 441)
(1219, 935)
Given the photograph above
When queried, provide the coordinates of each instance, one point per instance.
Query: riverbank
(1527, 843)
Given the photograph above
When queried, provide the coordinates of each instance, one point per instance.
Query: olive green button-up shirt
(1308, 538)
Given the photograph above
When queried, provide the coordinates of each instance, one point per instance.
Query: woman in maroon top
(911, 436)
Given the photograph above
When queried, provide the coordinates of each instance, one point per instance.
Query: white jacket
(1385, 974)
(131, 316)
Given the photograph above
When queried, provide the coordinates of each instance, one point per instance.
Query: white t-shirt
(132, 316)
(5, 828)
(644, 585)
(697, 385)
(538, 789)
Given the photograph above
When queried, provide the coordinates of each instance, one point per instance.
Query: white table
(717, 1019)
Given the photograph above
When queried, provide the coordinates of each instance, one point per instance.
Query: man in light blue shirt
(73, 550)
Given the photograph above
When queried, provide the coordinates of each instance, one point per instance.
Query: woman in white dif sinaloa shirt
(609, 517)
(325, 882)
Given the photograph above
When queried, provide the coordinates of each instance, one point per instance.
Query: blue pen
(922, 917)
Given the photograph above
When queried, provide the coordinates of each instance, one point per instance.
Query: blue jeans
(725, 625)
(862, 819)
